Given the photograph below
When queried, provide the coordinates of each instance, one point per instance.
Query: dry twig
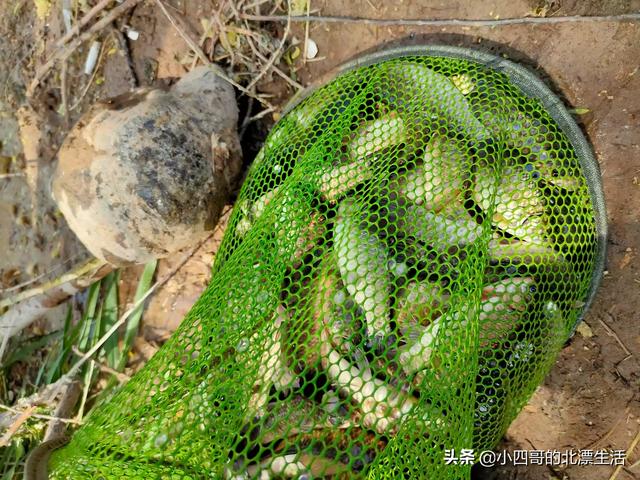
(46, 297)
(245, 121)
(630, 448)
(65, 51)
(86, 88)
(254, 5)
(15, 426)
(609, 433)
(277, 70)
(124, 47)
(201, 55)
(64, 92)
(259, 115)
(99, 7)
(121, 377)
(617, 338)
(40, 416)
(274, 57)
(78, 272)
(52, 389)
(415, 22)
(222, 36)
(39, 277)
(49, 392)
(306, 34)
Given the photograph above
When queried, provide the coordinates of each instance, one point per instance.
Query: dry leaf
(295, 53)
(232, 38)
(580, 110)
(298, 7)
(42, 8)
(584, 330)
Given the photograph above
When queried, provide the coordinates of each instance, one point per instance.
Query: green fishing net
(409, 252)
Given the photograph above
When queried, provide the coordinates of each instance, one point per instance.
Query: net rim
(531, 85)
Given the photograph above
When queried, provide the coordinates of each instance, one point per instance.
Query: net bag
(410, 250)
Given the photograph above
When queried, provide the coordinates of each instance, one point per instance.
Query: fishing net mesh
(410, 250)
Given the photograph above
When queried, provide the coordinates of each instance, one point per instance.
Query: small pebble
(312, 49)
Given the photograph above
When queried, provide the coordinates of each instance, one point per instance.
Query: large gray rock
(147, 173)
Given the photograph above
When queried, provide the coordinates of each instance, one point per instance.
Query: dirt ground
(591, 399)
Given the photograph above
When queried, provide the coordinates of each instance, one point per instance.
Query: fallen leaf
(42, 8)
(584, 330)
(205, 23)
(299, 7)
(232, 38)
(291, 55)
(580, 110)
(626, 259)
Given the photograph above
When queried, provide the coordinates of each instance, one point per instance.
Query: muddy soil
(591, 399)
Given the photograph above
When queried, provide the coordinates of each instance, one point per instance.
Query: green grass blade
(109, 316)
(90, 328)
(133, 323)
(131, 330)
(27, 349)
(87, 322)
(87, 381)
(12, 456)
(51, 369)
(89, 369)
(70, 338)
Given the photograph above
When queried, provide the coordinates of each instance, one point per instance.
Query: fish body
(371, 138)
(332, 304)
(376, 135)
(514, 202)
(419, 303)
(382, 407)
(501, 114)
(518, 251)
(272, 369)
(439, 179)
(363, 261)
(417, 86)
(252, 211)
(440, 230)
(415, 355)
(335, 181)
(502, 307)
(464, 83)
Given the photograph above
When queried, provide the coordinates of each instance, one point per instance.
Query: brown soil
(591, 397)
